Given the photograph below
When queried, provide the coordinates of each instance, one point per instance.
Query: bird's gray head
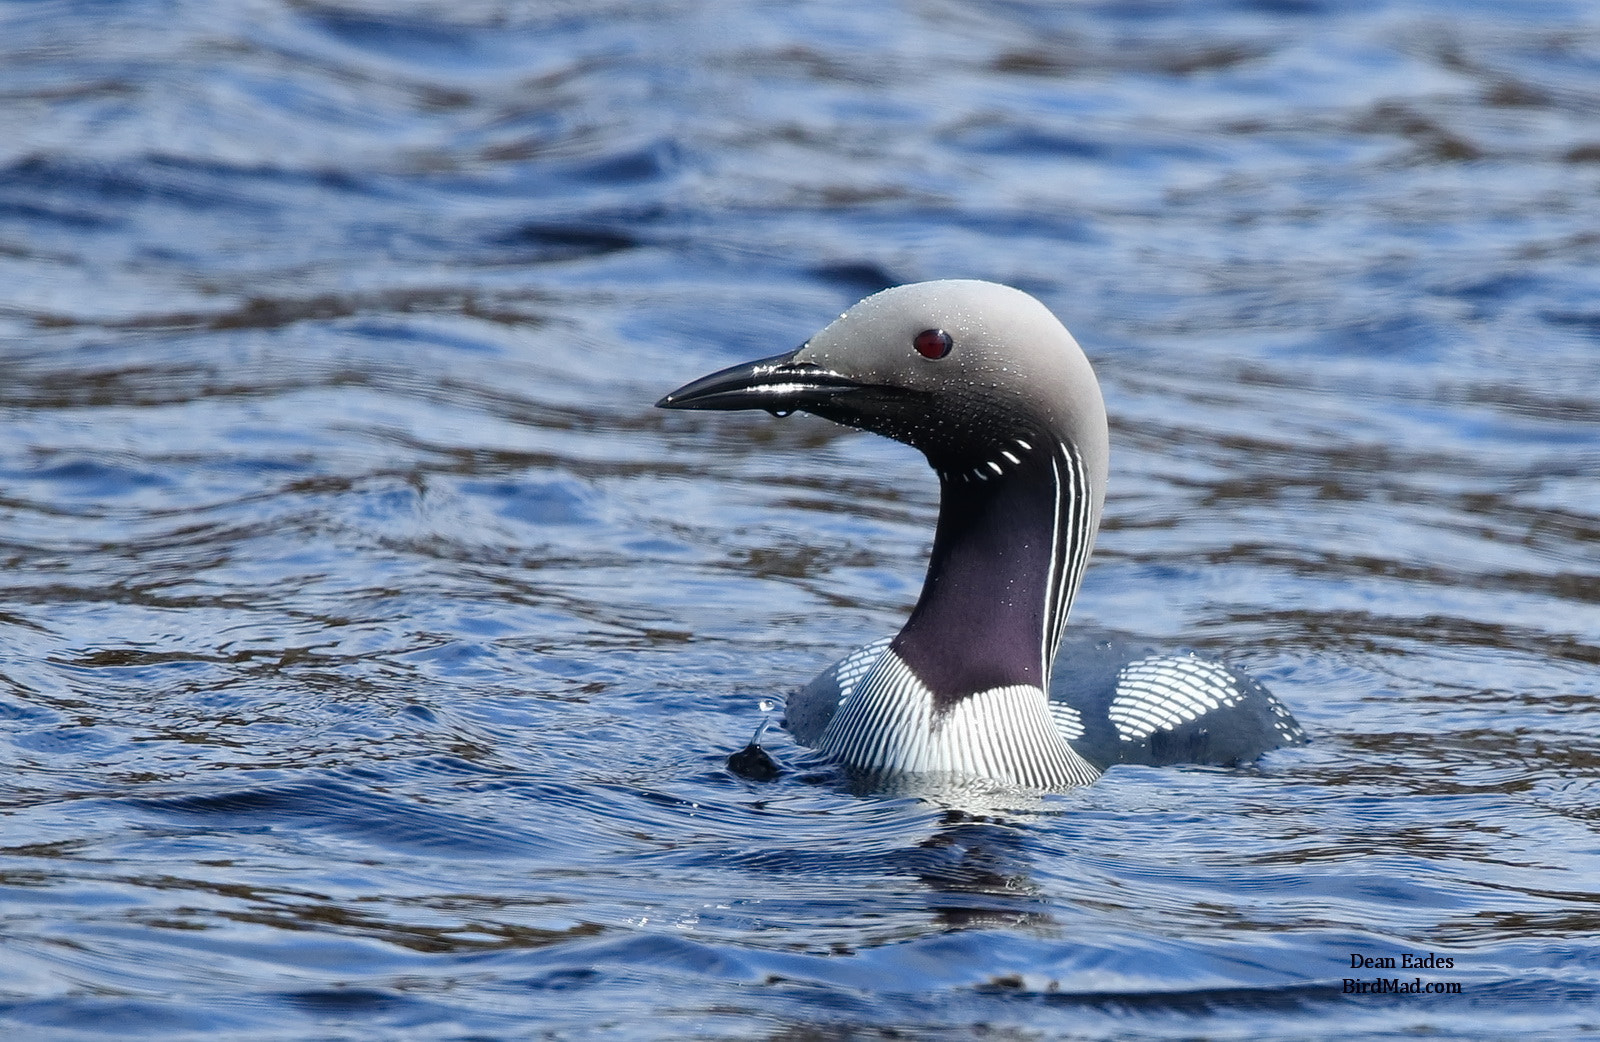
(960, 369)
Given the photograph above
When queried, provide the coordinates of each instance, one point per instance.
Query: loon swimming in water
(998, 396)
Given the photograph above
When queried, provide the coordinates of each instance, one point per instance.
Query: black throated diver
(998, 396)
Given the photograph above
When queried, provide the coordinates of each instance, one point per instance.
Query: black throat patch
(1007, 557)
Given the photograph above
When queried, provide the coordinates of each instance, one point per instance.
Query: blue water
(370, 649)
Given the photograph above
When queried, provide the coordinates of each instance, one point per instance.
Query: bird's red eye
(932, 343)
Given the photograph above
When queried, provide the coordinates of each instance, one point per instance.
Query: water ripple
(372, 648)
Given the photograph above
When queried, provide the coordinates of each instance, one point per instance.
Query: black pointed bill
(778, 384)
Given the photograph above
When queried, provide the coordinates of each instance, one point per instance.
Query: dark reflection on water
(372, 650)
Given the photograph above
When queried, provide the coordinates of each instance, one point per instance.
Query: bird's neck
(1015, 529)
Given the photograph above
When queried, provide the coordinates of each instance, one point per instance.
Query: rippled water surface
(370, 648)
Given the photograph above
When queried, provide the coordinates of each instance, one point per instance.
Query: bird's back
(1114, 701)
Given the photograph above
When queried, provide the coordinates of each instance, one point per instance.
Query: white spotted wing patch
(1162, 692)
(1285, 723)
(1068, 721)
